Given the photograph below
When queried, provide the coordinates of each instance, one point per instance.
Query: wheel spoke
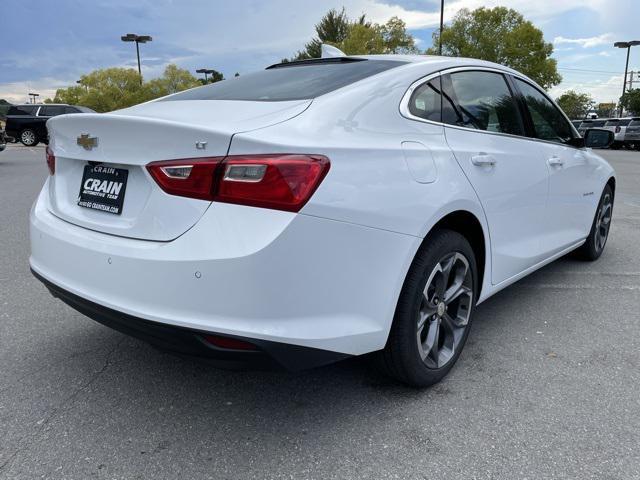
(431, 343)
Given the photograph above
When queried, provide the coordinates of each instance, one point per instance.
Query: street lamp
(628, 46)
(206, 71)
(33, 97)
(132, 37)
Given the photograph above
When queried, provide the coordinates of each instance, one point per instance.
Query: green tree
(114, 88)
(358, 37)
(631, 101)
(575, 105)
(503, 36)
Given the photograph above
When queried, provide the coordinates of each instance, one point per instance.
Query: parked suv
(632, 134)
(26, 123)
(619, 127)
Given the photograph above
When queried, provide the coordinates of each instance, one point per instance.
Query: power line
(589, 71)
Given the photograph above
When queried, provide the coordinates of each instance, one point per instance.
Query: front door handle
(555, 161)
(483, 160)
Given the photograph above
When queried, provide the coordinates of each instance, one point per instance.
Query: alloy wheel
(28, 137)
(603, 222)
(445, 310)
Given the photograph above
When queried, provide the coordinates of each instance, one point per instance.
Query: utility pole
(441, 27)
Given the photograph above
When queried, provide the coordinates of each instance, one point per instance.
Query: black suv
(26, 123)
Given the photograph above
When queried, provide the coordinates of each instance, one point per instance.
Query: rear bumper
(191, 342)
(249, 273)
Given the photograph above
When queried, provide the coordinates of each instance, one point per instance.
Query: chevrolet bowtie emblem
(87, 142)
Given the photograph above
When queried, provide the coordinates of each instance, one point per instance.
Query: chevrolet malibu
(318, 209)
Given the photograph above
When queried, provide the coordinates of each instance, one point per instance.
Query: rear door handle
(483, 160)
(555, 161)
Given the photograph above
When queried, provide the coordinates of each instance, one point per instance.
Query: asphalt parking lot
(548, 385)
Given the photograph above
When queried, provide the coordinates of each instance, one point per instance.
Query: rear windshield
(597, 123)
(635, 123)
(22, 110)
(612, 123)
(293, 82)
(625, 122)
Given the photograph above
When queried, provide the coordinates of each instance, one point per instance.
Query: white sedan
(318, 209)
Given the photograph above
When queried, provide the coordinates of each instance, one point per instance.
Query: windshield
(288, 82)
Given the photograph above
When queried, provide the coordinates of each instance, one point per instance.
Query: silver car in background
(587, 124)
(632, 134)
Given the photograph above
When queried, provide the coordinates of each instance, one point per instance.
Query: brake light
(281, 182)
(51, 161)
(618, 129)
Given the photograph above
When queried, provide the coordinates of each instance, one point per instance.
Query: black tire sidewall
(589, 250)
(412, 369)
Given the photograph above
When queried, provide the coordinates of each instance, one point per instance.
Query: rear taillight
(281, 182)
(618, 129)
(193, 178)
(51, 161)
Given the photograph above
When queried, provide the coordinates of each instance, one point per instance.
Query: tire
(28, 138)
(593, 247)
(421, 322)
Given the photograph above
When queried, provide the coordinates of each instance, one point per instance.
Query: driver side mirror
(598, 138)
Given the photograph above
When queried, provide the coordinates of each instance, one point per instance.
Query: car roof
(440, 62)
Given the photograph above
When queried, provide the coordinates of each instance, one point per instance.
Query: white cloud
(17, 92)
(604, 39)
(603, 91)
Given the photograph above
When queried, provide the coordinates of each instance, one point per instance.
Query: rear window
(625, 122)
(23, 110)
(597, 123)
(612, 123)
(635, 123)
(289, 82)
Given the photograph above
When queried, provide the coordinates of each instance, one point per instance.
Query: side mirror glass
(598, 138)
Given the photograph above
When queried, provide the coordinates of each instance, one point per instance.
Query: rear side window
(426, 101)
(288, 82)
(22, 110)
(51, 111)
(612, 123)
(481, 100)
(549, 124)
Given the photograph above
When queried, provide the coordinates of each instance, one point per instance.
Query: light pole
(205, 71)
(132, 37)
(628, 46)
(33, 97)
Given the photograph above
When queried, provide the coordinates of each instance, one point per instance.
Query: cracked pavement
(547, 387)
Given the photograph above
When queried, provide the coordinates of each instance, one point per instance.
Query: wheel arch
(469, 226)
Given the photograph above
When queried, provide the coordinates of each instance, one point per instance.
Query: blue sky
(48, 44)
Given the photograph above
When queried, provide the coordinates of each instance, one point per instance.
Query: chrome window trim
(404, 103)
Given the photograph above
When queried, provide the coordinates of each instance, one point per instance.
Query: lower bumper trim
(188, 341)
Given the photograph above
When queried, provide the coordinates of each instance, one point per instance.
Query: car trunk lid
(128, 140)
